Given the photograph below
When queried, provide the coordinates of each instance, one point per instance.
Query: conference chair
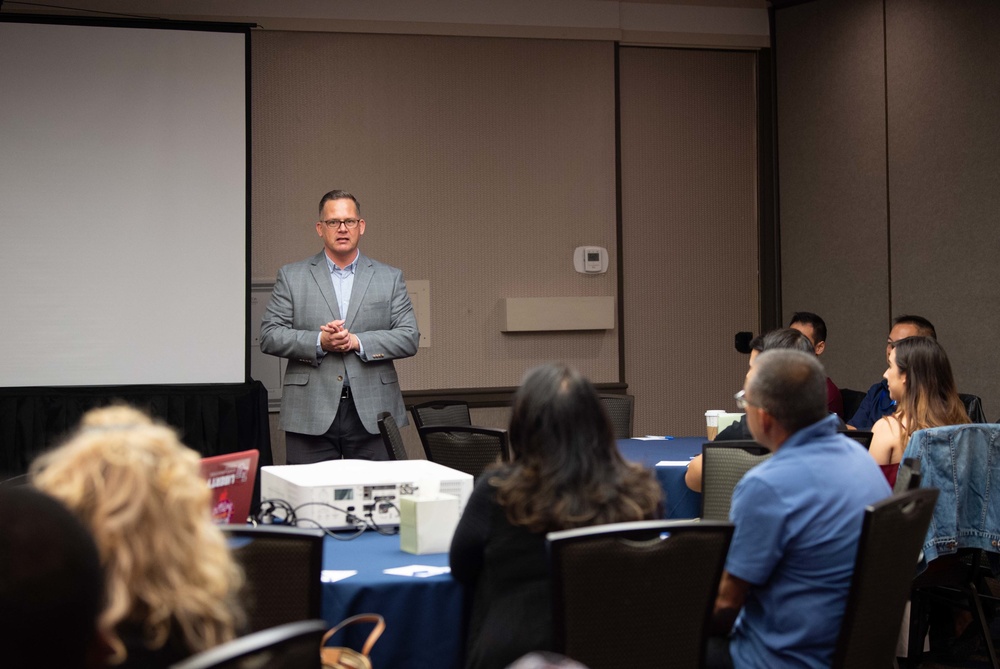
(467, 449)
(973, 407)
(391, 437)
(908, 477)
(723, 465)
(289, 646)
(852, 399)
(282, 567)
(891, 538)
(621, 409)
(963, 462)
(863, 437)
(636, 594)
(441, 412)
(13, 481)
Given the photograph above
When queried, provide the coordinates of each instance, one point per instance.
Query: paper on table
(673, 463)
(650, 437)
(334, 575)
(417, 570)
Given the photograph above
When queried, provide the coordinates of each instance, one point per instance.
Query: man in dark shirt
(814, 327)
(877, 402)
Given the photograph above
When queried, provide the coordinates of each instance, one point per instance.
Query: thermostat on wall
(590, 259)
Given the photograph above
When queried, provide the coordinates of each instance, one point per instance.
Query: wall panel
(831, 160)
(944, 176)
(689, 219)
(912, 231)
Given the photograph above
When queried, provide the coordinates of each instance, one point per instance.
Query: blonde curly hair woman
(171, 581)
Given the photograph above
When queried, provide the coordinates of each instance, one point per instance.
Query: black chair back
(636, 594)
(391, 437)
(891, 539)
(723, 465)
(973, 407)
(908, 477)
(282, 567)
(441, 412)
(863, 437)
(621, 409)
(467, 449)
(852, 400)
(13, 481)
(290, 646)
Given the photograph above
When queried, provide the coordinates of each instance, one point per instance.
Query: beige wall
(831, 161)
(699, 23)
(689, 225)
(482, 163)
(888, 161)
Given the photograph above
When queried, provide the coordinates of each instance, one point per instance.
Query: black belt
(345, 393)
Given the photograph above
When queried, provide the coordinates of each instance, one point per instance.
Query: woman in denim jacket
(921, 382)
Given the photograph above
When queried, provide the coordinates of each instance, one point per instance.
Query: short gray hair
(791, 386)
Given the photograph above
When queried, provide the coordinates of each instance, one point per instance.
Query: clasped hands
(335, 338)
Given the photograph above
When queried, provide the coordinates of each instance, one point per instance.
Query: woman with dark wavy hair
(566, 472)
(921, 383)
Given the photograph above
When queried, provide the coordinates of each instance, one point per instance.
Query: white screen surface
(122, 206)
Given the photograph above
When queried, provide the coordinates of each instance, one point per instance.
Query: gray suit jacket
(379, 314)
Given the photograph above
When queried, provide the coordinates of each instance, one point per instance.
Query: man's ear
(765, 420)
(820, 347)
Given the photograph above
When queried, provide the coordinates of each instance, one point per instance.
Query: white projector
(339, 493)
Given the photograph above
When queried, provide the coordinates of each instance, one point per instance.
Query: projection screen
(123, 205)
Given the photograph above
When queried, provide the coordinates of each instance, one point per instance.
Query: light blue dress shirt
(343, 284)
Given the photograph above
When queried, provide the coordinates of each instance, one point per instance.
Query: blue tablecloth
(680, 501)
(424, 627)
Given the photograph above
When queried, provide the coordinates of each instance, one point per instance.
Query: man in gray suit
(340, 319)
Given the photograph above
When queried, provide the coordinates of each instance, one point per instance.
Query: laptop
(231, 477)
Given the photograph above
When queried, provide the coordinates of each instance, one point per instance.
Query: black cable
(374, 526)
(266, 516)
(386, 532)
(330, 533)
(360, 525)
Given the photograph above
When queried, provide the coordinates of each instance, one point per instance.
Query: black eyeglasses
(349, 223)
(742, 402)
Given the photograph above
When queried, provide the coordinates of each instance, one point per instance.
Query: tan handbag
(339, 657)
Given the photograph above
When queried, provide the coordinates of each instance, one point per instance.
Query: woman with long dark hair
(566, 472)
(921, 383)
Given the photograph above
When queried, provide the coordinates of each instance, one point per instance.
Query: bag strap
(374, 618)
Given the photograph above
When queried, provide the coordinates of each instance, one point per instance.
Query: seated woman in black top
(566, 472)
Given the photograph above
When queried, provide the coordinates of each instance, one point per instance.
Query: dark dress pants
(346, 438)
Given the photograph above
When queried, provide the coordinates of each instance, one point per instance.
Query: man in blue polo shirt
(877, 402)
(798, 518)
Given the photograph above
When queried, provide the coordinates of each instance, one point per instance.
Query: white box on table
(427, 523)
